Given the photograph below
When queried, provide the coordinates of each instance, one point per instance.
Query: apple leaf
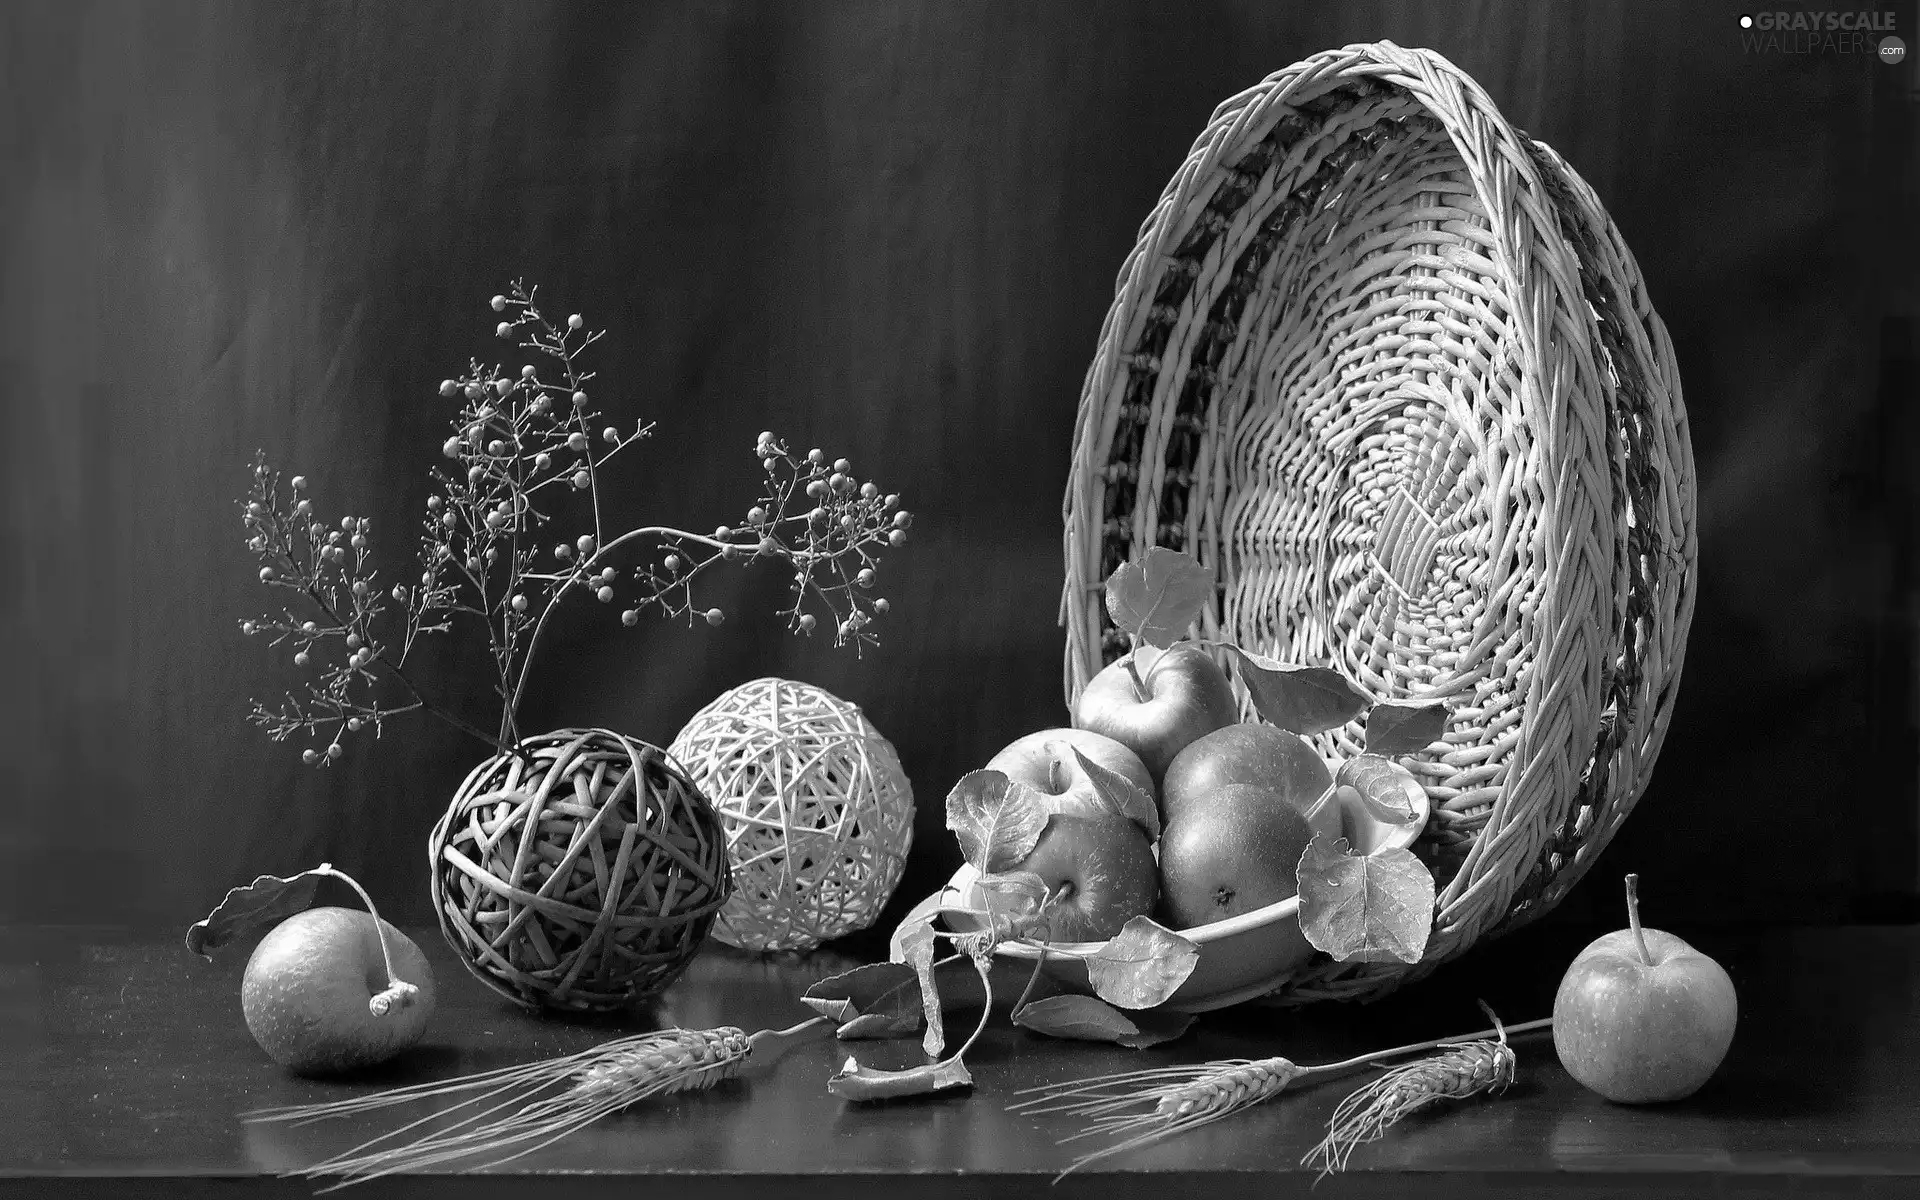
(1089, 1019)
(1025, 891)
(1013, 894)
(889, 990)
(1387, 802)
(1396, 727)
(917, 943)
(1364, 907)
(997, 820)
(1142, 965)
(268, 900)
(1302, 700)
(865, 1084)
(1122, 796)
(1160, 597)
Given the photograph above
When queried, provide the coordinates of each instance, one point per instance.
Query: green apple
(1230, 851)
(1248, 752)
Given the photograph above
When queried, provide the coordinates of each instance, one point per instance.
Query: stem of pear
(1633, 918)
(398, 992)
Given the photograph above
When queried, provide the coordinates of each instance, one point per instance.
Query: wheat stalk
(1139, 1107)
(514, 1111)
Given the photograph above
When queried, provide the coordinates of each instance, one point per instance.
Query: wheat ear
(1138, 1107)
(515, 1111)
(1458, 1073)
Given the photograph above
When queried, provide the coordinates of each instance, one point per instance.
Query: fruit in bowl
(1157, 702)
(1073, 812)
(1245, 951)
(1247, 752)
(1099, 871)
(1046, 761)
(1230, 851)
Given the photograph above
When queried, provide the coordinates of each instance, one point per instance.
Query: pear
(1230, 851)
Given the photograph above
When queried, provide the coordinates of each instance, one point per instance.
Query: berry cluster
(523, 448)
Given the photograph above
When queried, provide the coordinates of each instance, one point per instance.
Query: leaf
(997, 820)
(268, 900)
(1024, 891)
(1082, 1018)
(1122, 796)
(922, 912)
(1088, 1019)
(865, 1084)
(1013, 902)
(1364, 908)
(888, 989)
(917, 944)
(883, 1000)
(1142, 965)
(1386, 802)
(1303, 700)
(1160, 597)
(1397, 727)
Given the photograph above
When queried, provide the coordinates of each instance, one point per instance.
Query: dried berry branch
(523, 447)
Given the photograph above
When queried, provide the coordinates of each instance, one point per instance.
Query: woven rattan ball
(1383, 362)
(818, 813)
(580, 874)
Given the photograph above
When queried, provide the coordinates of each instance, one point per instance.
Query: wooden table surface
(125, 1060)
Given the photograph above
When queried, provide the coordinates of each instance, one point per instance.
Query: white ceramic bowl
(1241, 957)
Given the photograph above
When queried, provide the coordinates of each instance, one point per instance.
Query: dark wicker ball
(581, 873)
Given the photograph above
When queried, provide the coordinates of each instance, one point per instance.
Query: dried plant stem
(420, 697)
(573, 578)
(518, 438)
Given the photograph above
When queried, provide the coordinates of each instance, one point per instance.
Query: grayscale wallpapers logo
(1832, 31)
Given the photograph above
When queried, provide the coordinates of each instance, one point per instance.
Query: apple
(1247, 752)
(308, 990)
(1099, 871)
(1641, 1017)
(1157, 702)
(1045, 762)
(1228, 852)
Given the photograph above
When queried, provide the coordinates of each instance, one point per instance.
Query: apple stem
(398, 993)
(1140, 692)
(1633, 918)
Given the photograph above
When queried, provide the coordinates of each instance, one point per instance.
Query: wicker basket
(1383, 363)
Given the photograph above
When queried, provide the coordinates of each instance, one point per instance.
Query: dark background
(892, 230)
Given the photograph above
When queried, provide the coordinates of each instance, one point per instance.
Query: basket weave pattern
(581, 874)
(1383, 363)
(817, 810)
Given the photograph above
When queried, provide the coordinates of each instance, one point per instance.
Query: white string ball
(817, 811)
